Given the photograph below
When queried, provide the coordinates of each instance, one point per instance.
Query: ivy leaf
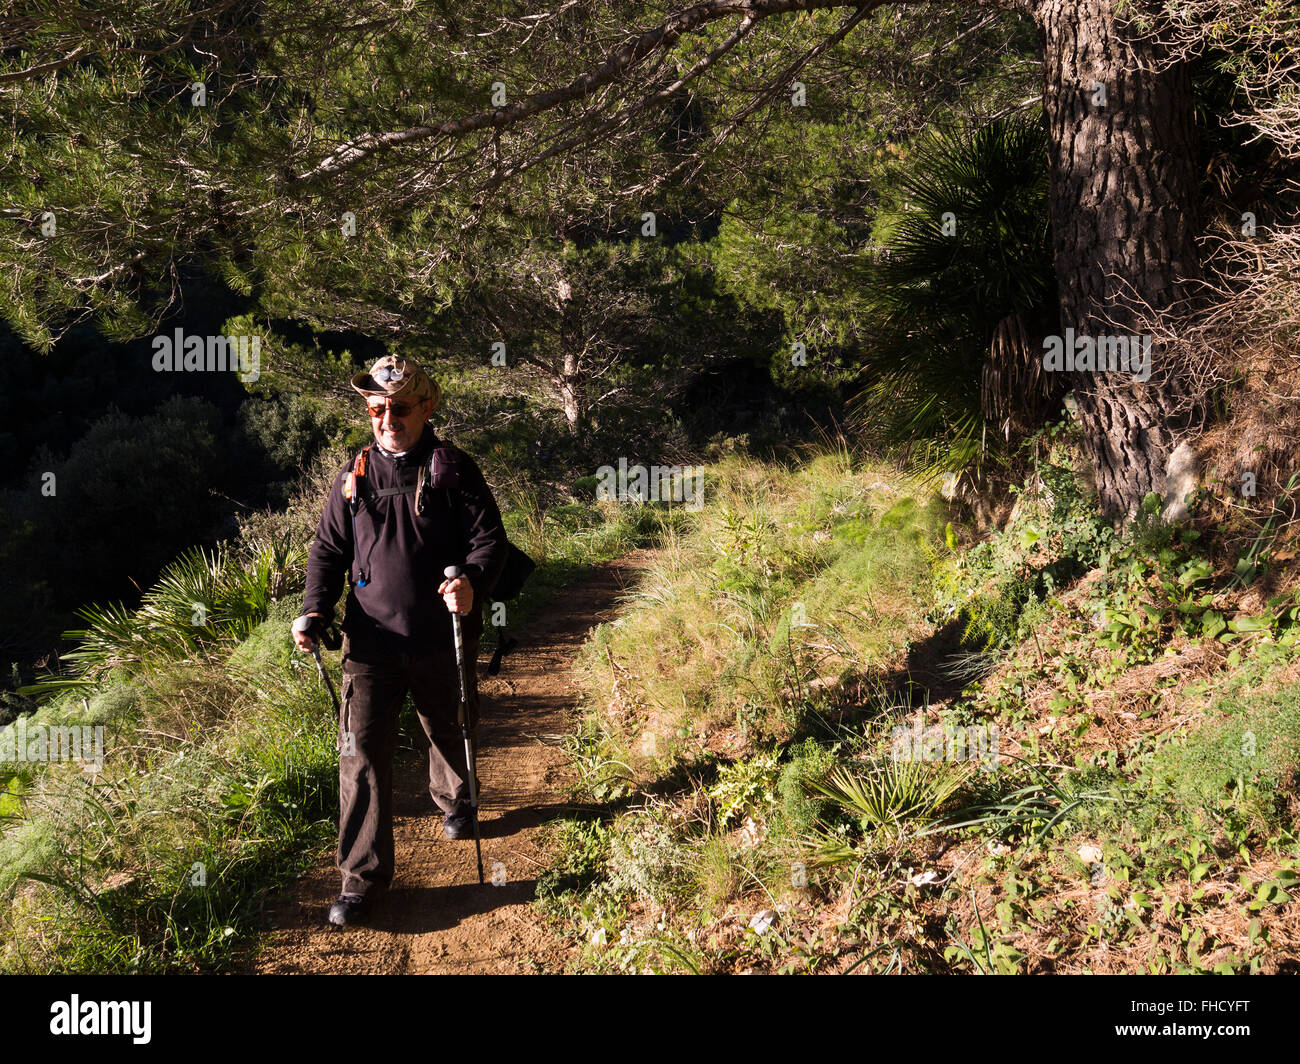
(1212, 623)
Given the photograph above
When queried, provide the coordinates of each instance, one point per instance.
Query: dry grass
(788, 590)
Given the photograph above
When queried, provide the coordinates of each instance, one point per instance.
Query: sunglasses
(398, 409)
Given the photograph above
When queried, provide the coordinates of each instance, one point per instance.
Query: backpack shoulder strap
(352, 496)
(356, 470)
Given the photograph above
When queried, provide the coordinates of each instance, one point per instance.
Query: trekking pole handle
(451, 572)
(455, 572)
(305, 625)
(318, 630)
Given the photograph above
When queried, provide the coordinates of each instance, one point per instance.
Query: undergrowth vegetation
(830, 732)
(790, 583)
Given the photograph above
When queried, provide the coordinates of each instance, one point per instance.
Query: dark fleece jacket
(402, 554)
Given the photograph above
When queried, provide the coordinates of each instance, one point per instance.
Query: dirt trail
(436, 919)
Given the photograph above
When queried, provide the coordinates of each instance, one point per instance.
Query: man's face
(397, 423)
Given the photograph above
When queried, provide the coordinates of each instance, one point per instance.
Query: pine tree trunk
(1123, 206)
(573, 395)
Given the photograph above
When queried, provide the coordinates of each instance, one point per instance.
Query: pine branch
(615, 68)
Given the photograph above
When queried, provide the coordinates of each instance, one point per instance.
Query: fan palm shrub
(202, 602)
(891, 791)
(961, 294)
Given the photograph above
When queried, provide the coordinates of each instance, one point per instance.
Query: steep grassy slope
(825, 735)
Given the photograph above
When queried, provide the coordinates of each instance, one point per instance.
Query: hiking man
(399, 513)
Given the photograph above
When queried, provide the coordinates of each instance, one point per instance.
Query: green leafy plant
(745, 788)
(999, 588)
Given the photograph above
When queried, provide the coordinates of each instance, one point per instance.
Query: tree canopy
(394, 171)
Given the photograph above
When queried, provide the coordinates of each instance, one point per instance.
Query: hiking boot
(457, 825)
(349, 909)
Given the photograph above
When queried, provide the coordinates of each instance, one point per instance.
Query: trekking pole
(329, 684)
(451, 573)
(321, 634)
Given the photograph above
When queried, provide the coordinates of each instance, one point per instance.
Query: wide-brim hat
(395, 377)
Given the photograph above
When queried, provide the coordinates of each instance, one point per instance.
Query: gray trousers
(376, 678)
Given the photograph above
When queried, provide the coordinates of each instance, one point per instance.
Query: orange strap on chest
(350, 480)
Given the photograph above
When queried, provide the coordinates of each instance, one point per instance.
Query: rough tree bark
(1123, 206)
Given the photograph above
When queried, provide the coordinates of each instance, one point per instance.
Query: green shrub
(25, 848)
(106, 865)
(997, 587)
(582, 852)
(292, 429)
(116, 701)
(809, 761)
(269, 647)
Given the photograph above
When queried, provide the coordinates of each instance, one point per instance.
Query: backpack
(442, 473)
